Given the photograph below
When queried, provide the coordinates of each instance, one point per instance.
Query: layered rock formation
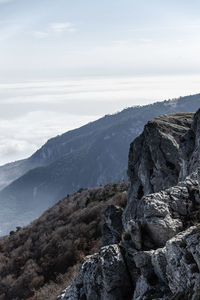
(158, 256)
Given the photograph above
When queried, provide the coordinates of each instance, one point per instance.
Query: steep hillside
(159, 254)
(36, 261)
(86, 157)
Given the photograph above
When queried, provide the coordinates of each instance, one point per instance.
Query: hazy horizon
(64, 64)
(25, 128)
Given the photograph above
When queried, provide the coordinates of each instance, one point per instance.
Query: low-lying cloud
(32, 112)
(21, 136)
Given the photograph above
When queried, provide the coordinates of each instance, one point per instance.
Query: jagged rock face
(101, 277)
(183, 261)
(161, 251)
(190, 149)
(112, 229)
(153, 219)
(172, 271)
(161, 215)
(154, 158)
(165, 273)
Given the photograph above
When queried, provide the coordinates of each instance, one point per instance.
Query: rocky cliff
(156, 253)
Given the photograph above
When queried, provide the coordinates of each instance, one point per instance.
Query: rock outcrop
(161, 215)
(102, 276)
(154, 159)
(112, 229)
(158, 255)
(190, 149)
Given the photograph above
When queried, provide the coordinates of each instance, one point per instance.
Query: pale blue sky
(115, 37)
(64, 63)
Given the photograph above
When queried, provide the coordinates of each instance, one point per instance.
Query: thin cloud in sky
(170, 28)
(62, 27)
(146, 34)
(54, 29)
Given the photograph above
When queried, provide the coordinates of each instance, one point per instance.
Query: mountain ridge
(42, 153)
(92, 155)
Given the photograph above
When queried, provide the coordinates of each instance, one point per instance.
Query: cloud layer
(23, 135)
(32, 112)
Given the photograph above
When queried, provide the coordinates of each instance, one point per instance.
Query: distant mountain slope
(92, 155)
(11, 171)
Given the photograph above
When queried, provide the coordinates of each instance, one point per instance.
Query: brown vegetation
(38, 261)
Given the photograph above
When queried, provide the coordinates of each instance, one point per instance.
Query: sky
(65, 63)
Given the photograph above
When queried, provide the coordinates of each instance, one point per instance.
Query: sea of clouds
(33, 111)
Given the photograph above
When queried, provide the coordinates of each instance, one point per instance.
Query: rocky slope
(158, 256)
(86, 157)
(37, 260)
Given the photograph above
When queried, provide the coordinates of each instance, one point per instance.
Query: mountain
(139, 245)
(92, 155)
(158, 256)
